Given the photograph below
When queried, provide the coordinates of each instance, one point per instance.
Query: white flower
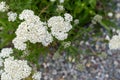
(37, 76)
(118, 32)
(114, 43)
(15, 69)
(68, 17)
(117, 15)
(57, 19)
(48, 39)
(113, 30)
(107, 38)
(19, 44)
(3, 6)
(52, 0)
(1, 28)
(110, 14)
(1, 71)
(5, 52)
(76, 21)
(26, 14)
(66, 44)
(60, 8)
(97, 18)
(59, 26)
(61, 1)
(82, 42)
(11, 16)
(60, 36)
(87, 43)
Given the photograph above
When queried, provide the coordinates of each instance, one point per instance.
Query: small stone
(56, 56)
(70, 58)
(45, 65)
(46, 77)
(109, 52)
(61, 79)
(118, 4)
(87, 43)
(51, 78)
(116, 63)
(54, 72)
(106, 75)
(88, 64)
(73, 60)
(107, 38)
(97, 46)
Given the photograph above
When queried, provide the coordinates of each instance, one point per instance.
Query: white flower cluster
(27, 14)
(97, 18)
(76, 21)
(37, 76)
(3, 6)
(110, 14)
(31, 29)
(60, 8)
(114, 43)
(66, 44)
(34, 30)
(12, 69)
(117, 15)
(12, 16)
(5, 52)
(60, 26)
(15, 69)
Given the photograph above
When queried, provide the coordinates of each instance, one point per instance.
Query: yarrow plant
(34, 30)
(30, 29)
(15, 69)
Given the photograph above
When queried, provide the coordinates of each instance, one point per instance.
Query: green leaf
(92, 3)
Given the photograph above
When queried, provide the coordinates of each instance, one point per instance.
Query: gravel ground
(88, 68)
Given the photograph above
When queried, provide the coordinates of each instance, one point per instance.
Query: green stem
(104, 25)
